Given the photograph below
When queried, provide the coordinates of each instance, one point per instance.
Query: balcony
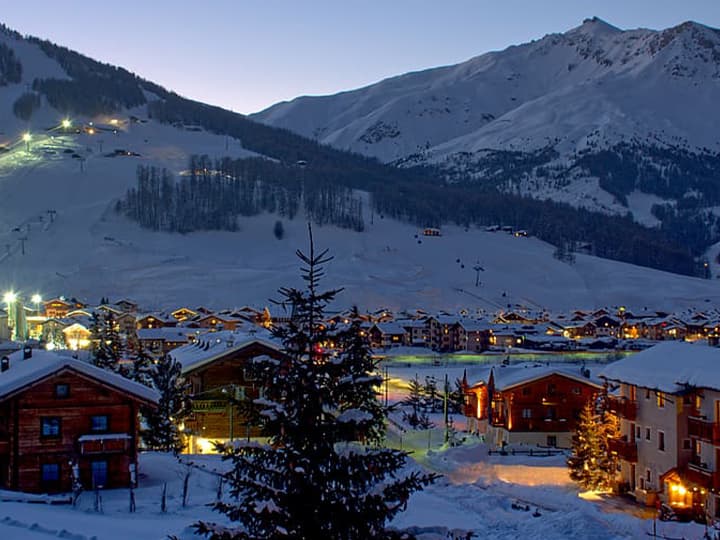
(209, 405)
(626, 450)
(700, 474)
(704, 429)
(623, 407)
(109, 443)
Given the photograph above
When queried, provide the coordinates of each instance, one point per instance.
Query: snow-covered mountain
(60, 232)
(532, 116)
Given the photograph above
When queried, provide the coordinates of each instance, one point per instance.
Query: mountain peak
(596, 26)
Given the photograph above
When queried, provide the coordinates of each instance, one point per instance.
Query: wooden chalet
(215, 366)
(154, 320)
(57, 308)
(387, 334)
(63, 420)
(160, 341)
(536, 405)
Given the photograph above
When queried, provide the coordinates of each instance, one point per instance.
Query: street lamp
(9, 298)
(27, 137)
(66, 123)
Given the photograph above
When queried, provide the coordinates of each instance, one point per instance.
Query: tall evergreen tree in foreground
(591, 464)
(323, 474)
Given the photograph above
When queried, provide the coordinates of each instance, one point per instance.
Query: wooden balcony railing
(209, 405)
(625, 449)
(703, 429)
(623, 407)
(112, 443)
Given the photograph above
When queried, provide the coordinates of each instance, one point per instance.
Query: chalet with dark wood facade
(536, 405)
(215, 366)
(63, 420)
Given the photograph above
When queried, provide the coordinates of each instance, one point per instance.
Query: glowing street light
(66, 123)
(27, 137)
(36, 298)
(9, 298)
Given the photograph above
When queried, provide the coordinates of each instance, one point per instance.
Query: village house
(160, 341)
(215, 366)
(386, 335)
(62, 420)
(418, 332)
(154, 320)
(522, 404)
(444, 333)
(474, 335)
(57, 308)
(668, 401)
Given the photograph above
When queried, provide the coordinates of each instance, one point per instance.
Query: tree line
(10, 66)
(216, 192)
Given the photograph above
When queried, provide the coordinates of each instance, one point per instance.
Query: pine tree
(323, 475)
(142, 368)
(590, 463)
(162, 423)
(417, 418)
(106, 342)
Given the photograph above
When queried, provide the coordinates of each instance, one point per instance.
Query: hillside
(601, 118)
(60, 232)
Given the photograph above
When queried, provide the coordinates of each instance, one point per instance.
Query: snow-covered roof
(390, 328)
(669, 367)
(214, 345)
(42, 364)
(507, 377)
(167, 333)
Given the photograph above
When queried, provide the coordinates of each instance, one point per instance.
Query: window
(526, 391)
(99, 423)
(550, 413)
(50, 472)
(638, 434)
(552, 441)
(50, 427)
(577, 390)
(661, 441)
(647, 393)
(99, 471)
(648, 475)
(660, 400)
(62, 391)
(647, 433)
(527, 413)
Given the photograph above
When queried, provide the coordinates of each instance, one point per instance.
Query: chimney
(27, 352)
(4, 364)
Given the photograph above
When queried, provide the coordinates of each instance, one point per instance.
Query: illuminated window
(660, 400)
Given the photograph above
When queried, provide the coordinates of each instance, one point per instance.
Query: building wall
(27, 449)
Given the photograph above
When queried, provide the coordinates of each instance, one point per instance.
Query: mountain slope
(60, 233)
(590, 100)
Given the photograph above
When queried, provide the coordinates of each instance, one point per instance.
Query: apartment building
(668, 400)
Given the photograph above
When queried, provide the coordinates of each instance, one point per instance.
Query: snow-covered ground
(499, 497)
(477, 493)
(89, 251)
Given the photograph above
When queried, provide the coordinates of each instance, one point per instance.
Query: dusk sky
(248, 54)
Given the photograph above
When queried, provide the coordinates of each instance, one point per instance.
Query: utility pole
(23, 239)
(445, 410)
(387, 380)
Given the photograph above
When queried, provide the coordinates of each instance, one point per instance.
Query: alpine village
(475, 301)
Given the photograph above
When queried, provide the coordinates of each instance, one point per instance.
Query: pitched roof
(213, 345)
(23, 373)
(670, 367)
